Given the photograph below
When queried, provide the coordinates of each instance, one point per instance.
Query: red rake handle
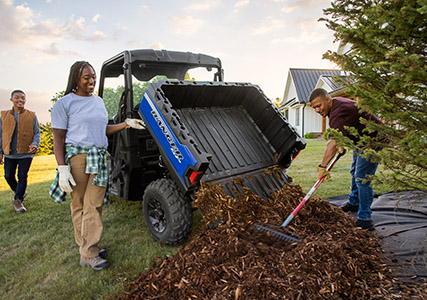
(308, 195)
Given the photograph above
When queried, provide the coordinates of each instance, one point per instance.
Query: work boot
(96, 263)
(17, 206)
(349, 207)
(365, 224)
(102, 252)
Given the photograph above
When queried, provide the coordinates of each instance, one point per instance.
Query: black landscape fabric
(401, 224)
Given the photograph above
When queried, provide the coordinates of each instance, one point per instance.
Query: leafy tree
(387, 70)
(188, 78)
(277, 102)
(112, 96)
(139, 88)
(46, 139)
(55, 98)
(111, 99)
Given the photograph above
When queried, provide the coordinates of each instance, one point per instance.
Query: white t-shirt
(84, 118)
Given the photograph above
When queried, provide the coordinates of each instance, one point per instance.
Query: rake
(285, 234)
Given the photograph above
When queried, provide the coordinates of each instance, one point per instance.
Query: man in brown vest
(19, 141)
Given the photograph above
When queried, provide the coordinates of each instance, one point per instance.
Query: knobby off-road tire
(168, 215)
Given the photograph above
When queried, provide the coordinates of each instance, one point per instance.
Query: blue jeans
(10, 165)
(362, 193)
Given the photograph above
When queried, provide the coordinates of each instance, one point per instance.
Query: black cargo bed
(237, 146)
(230, 135)
(236, 125)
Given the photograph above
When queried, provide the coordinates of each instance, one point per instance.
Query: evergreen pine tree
(387, 71)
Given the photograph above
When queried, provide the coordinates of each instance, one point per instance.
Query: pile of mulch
(234, 261)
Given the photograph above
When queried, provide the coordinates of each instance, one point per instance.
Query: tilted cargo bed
(228, 130)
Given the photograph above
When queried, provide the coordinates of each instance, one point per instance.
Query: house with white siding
(299, 84)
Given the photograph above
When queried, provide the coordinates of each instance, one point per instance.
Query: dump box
(221, 131)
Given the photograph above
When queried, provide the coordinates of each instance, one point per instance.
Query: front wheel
(168, 214)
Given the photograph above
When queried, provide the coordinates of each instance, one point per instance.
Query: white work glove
(135, 123)
(65, 178)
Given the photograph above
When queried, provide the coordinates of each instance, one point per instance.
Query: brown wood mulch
(335, 260)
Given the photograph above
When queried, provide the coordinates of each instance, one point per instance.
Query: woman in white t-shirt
(80, 128)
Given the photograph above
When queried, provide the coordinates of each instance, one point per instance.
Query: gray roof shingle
(334, 83)
(305, 80)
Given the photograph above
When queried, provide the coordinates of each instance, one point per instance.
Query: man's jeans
(23, 165)
(362, 193)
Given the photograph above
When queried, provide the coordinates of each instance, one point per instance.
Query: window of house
(287, 114)
(297, 117)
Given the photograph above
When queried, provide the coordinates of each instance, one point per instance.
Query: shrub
(309, 135)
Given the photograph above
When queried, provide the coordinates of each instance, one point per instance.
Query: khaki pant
(86, 208)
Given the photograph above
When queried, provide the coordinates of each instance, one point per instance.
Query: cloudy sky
(256, 40)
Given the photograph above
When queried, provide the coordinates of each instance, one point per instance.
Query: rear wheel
(167, 213)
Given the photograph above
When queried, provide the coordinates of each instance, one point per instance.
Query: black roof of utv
(147, 63)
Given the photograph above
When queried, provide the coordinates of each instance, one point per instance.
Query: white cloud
(241, 3)
(12, 18)
(134, 44)
(303, 5)
(203, 5)
(53, 50)
(268, 25)
(96, 18)
(118, 32)
(303, 38)
(186, 25)
(25, 31)
(97, 36)
(156, 46)
(310, 23)
(49, 52)
(289, 8)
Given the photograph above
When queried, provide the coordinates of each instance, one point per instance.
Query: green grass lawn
(39, 258)
(304, 172)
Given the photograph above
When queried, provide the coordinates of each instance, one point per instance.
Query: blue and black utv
(212, 131)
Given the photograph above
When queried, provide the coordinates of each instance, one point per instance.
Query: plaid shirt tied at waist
(96, 163)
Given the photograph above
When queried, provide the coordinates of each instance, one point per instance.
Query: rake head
(272, 230)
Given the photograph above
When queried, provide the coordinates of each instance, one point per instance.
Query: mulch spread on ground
(335, 260)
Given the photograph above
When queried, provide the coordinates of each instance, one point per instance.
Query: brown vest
(25, 130)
